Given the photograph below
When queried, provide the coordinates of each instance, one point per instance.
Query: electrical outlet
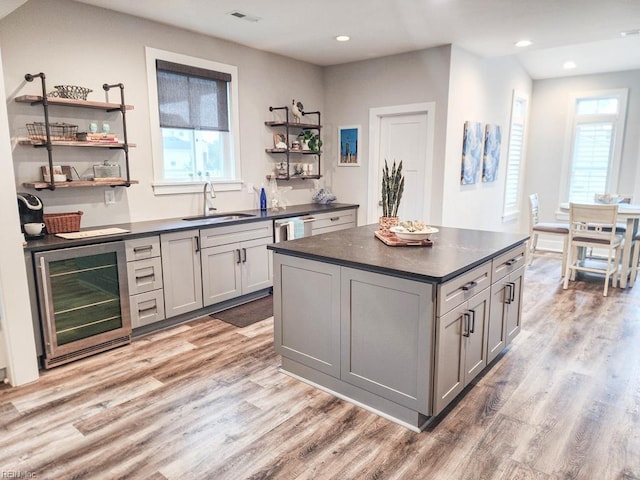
(109, 197)
(250, 188)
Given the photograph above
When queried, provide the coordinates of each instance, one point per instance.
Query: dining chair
(635, 259)
(593, 226)
(546, 228)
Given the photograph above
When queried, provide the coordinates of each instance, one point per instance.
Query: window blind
(514, 161)
(192, 98)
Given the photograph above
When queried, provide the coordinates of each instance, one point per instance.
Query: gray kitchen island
(397, 330)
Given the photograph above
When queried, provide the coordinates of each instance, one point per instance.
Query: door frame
(376, 114)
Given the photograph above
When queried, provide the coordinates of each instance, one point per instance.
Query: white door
(403, 133)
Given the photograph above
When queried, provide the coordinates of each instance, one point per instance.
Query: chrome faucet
(207, 206)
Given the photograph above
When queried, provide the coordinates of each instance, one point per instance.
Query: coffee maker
(30, 210)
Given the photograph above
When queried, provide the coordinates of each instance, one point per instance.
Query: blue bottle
(263, 199)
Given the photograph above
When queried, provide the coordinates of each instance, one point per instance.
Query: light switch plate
(250, 188)
(109, 197)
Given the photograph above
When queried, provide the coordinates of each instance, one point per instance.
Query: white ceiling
(585, 31)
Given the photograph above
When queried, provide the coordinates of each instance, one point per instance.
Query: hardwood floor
(205, 400)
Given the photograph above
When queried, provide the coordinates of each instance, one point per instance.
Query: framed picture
(348, 138)
(279, 141)
(491, 158)
(471, 152)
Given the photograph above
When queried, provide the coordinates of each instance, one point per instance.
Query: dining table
(630, 214)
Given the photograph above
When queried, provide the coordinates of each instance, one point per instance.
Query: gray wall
(548, 125)
(77, 44)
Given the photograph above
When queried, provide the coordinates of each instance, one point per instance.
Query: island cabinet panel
(307, 313)
(506, 305)
(386, 345)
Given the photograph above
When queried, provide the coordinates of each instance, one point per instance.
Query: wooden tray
(394, 241)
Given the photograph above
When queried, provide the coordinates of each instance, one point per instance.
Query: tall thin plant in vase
(392, 189)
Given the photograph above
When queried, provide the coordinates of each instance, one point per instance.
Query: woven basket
(62, 222)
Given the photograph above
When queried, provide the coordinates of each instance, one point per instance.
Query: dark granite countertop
(152, 227)
(454, 251)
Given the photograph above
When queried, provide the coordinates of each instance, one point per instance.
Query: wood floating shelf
(293, 150)
(74, 143)
(69, 102)
(293, 177)
(277, 123)
(79, 183)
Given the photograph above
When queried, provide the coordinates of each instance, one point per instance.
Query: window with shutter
(515, 157)
(596, 144)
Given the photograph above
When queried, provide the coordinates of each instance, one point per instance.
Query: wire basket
(72, 91)
(62, 222)
(58, 131)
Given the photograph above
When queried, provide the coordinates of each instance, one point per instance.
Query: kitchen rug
(247, 313)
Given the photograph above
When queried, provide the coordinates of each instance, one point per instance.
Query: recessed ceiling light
(343, 38)
(629, 33)
(569, 65)
(523, 43)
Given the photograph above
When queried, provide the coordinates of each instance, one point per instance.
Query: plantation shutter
(592, 153)
(192, 98)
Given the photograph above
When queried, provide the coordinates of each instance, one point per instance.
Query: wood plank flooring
(205, 400)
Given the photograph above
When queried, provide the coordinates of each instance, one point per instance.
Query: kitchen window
(194, 122)
(595, 149)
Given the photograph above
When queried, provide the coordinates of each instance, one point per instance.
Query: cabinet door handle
(238, 257)
(508, 296)
(244, 255)
(465, 319)
(197, 243)
(513, 292)
(473, 321)
(470, 285)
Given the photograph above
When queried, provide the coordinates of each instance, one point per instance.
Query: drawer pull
(334, 219)
(511, 262)
(142, 279)
(143, 248)
(148, 309)
(470, 285)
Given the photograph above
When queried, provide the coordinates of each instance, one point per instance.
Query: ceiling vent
(245, 16)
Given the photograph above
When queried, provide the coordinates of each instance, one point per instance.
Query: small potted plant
(310, 140)
(392, 189)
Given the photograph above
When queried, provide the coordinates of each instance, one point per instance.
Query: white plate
(417, 236)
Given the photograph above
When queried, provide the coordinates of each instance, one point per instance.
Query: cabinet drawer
(462, 288)
(508, 262)
(147, 308)
(141, 248)
(144, 275)
(212, 237)
(331, 219)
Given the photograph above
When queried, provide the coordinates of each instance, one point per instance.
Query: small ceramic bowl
(417, 236)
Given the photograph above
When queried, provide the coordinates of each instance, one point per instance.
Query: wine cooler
(84, 301)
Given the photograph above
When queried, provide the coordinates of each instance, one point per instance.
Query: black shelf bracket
(30, 77)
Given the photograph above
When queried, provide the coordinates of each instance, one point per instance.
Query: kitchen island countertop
(454, 251)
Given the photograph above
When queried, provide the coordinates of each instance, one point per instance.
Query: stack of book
(98, 137)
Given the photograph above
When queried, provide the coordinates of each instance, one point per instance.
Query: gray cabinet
(506, 304)
(325, 319)
(307, 324)
(235, 260)
(144, 272)
(460, 348)
(461, 329)
(386, 347)
(181, 272)
(332, 221)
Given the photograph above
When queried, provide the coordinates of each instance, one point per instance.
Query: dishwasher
(285, 228)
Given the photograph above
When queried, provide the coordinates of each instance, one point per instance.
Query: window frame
(169, 187)
(512, 214)
(613, 176)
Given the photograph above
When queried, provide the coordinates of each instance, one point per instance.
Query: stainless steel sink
(221, 217)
